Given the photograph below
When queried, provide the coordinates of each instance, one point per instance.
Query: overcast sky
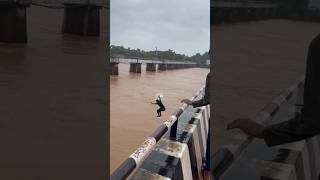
(180, 25)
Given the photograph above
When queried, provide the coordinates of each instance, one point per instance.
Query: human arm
(205, 100)
(248, 126)
(294, 129)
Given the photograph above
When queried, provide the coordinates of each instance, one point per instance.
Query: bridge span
(151, 65)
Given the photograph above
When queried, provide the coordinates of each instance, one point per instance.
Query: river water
(49, 102)
(133, 118)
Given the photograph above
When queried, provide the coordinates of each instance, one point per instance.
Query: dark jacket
(312, 81)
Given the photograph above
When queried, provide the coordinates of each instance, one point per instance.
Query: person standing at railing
(205, 100)
(304, 125)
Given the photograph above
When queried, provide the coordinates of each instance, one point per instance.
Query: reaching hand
(248, 126)
(238, 123)
(187, 101)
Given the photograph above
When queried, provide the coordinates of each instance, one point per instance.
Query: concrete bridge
(174, 151)
(224, 11)
(81, 17)
(151, 65)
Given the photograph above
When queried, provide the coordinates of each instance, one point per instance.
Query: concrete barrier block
(277, 171)
(203, 131)
(200, 134)
(143, 174)
(162, 164)
(202, 117)
(194, 150)
(302, 165)
(13, 23)
(178, 150)
(314, 153)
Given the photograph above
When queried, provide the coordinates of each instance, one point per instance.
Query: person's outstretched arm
(248, 126)
(295, 129)
(205, 100)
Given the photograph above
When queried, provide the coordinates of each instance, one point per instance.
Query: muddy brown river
(52, 98)
(133, 118)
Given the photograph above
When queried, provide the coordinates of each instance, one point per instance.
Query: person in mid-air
(160, 104)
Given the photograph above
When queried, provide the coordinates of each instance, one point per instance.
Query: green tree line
(168, 55)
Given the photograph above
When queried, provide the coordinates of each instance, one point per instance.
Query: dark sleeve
(295, 129)
(205, 100)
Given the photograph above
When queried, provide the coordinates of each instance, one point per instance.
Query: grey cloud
(180, 25)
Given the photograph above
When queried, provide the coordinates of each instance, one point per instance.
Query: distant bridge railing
(114, 59)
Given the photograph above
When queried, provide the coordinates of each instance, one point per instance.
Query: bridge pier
(81, 19)
(135, 67)
(151, 67)
(114, 68)
(169, 67)
(244, 14)
(218, 15)
(162, 67)
(13, 22)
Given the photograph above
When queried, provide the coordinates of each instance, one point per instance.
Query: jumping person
(160, 104)
(304, 125)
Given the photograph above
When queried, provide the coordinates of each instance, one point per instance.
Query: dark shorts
(161, 109)
(295, 129)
